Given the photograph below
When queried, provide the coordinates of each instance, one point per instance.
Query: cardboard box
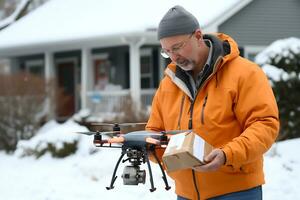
(185, 150)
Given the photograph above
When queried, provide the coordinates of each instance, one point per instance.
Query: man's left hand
(214, 160)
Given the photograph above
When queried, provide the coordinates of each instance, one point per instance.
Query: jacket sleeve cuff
(228, 154)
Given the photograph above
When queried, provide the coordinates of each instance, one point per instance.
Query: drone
(136, 145)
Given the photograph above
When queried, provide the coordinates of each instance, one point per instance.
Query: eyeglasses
(176, 48)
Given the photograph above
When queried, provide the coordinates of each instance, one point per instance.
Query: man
(223, 98)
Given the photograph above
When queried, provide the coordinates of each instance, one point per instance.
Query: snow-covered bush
(22, 98)
(58, 140)
(281, 62)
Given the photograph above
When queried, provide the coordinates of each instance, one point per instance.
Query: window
(104, 72)
(35, 67)
(252, 51)
(146, 68)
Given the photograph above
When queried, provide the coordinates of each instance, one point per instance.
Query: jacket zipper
(190, 127)
(203, 108)
(202, 121)
(195, 184)
(181, 109)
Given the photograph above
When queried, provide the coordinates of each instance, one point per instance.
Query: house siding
(263, 21)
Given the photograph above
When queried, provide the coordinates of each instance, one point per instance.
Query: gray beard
(186, 66)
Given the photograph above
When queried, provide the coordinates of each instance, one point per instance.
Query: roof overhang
(41, 31)
(148, 37)
(213, 25)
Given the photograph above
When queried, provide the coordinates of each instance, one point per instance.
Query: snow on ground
(282, 169)
(83, 176)
(75, 178)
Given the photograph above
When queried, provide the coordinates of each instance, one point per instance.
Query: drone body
(136, 146)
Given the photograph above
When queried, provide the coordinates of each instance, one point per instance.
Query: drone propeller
(118, 124)
(136, 133)
(174, 132)
(98, 132)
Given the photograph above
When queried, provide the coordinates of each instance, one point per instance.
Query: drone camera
(132, 175)
(134, 154)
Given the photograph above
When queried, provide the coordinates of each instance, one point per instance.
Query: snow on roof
(65, 20)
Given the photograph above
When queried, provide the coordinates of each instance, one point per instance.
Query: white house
(102, 51)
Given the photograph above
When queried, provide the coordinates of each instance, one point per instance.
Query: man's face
(179, 49)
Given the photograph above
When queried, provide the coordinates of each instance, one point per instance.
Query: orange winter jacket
(234, 110)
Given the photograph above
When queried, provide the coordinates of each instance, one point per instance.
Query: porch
(101, 79)
(114, 101)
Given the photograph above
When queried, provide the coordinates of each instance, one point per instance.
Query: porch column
(49, 75)
(162, 66)
(85, 63)
(49, 66)
(135, 70)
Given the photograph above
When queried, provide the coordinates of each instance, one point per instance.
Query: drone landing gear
(152, 189)
(132, 175)
(114, 177)
(164, 177)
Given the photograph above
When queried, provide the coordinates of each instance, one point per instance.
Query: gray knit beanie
(177, 21)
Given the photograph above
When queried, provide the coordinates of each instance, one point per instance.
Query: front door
(65, 103)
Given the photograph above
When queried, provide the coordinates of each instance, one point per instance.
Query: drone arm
(116, 140)
(151, 140)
